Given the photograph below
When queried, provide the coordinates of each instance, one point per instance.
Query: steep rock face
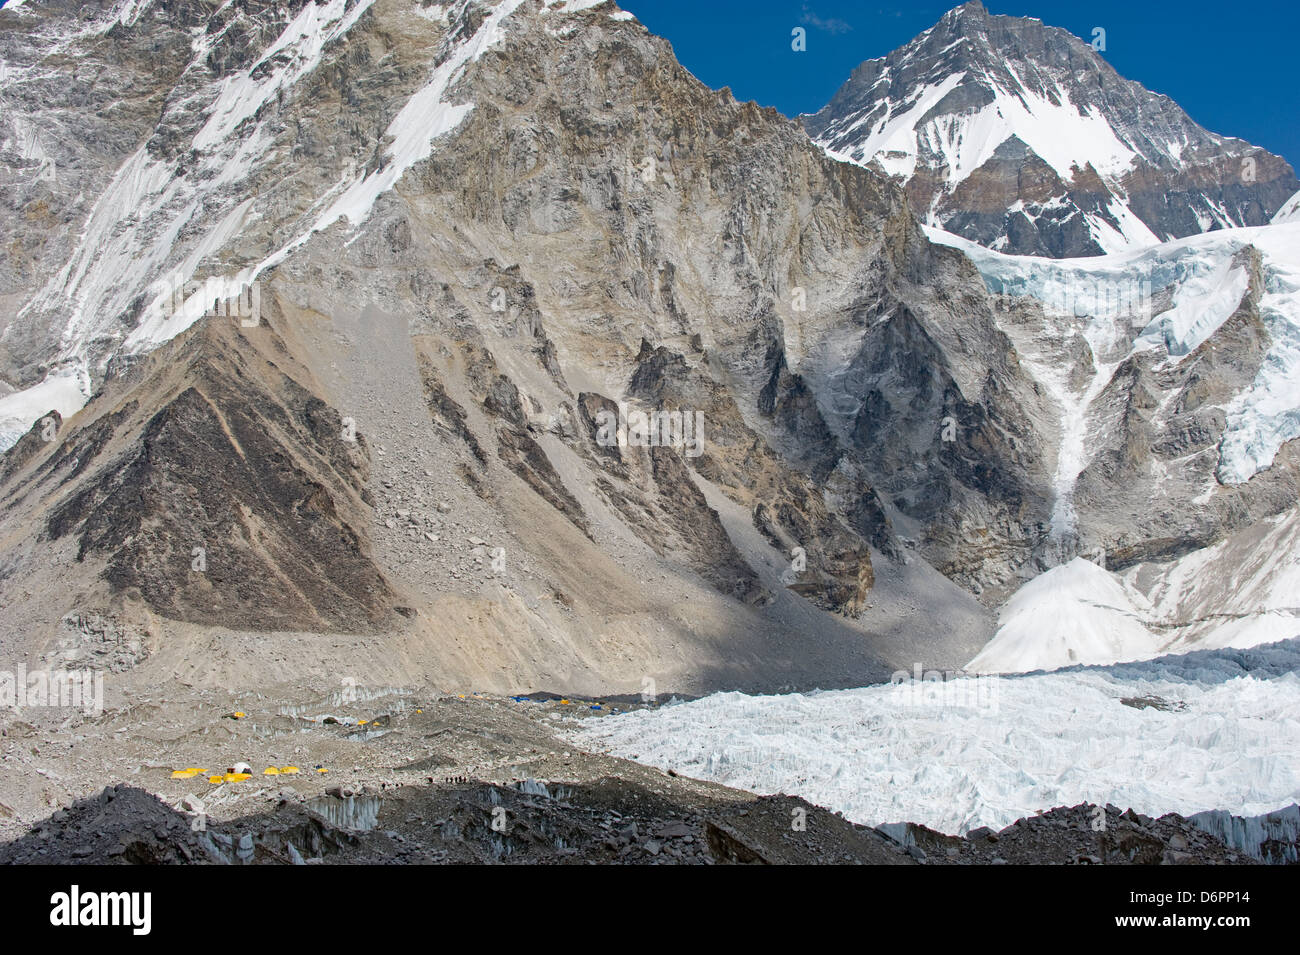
(771, 290)
(43, 431)
(1159, 427)
(477, 226)
(830, 563)
(101, 123)
(1019, 136)
(1169, 372)
(515, 446)
(469, 229)
(652, 490)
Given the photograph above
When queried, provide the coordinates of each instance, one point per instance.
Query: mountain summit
(1019, 136)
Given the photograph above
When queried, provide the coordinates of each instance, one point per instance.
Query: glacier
(1210, 730)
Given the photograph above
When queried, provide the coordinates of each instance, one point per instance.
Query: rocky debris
(119, 825)
(784, 830)
(101, 641)
(1079, 835)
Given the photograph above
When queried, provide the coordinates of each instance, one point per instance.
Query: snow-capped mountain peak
(1021, 137)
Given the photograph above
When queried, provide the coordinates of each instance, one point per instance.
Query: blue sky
(1232, 67)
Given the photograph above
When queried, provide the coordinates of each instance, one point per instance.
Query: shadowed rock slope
(216, 489)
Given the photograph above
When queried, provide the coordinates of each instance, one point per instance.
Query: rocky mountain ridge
(470, 239)
(526, 246)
